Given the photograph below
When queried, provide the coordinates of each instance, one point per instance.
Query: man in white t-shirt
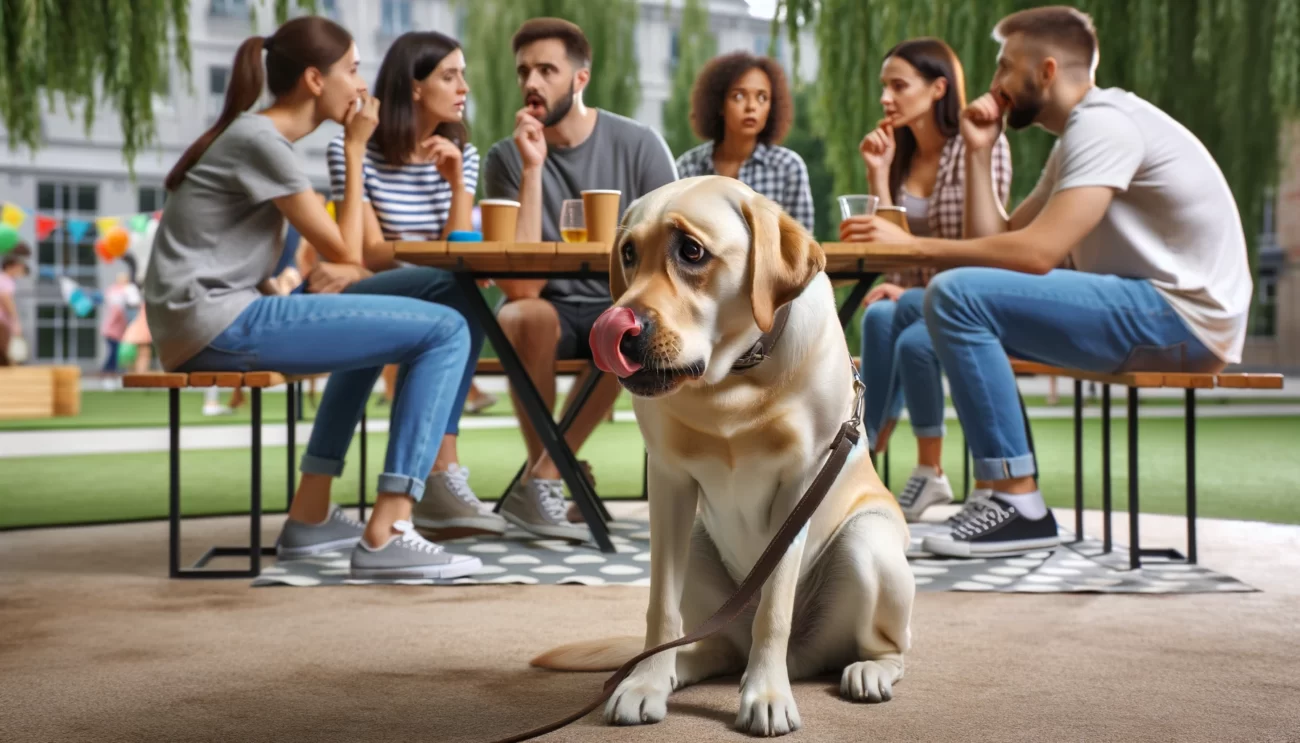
(1147, 218)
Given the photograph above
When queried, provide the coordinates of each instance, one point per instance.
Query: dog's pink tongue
(606, 335)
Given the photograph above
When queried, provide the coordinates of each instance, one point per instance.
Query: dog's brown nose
(606, 340)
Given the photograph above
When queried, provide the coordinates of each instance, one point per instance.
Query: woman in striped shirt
(419, 177)
(915, 159)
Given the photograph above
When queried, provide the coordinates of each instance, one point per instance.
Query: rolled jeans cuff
(930, 432)
(321, 466)
(401, 485)
(1004, 468)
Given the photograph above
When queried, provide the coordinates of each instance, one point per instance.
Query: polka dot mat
(519, 558)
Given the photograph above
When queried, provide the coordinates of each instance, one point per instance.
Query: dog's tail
(606, 654)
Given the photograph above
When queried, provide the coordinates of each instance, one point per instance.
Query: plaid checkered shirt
(949, 198)
(776, 172)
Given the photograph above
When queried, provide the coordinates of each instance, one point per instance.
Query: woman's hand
(358, 125)
(332, 278)
(878, 148)
(872, 229)
(883, 291)
(446, 157)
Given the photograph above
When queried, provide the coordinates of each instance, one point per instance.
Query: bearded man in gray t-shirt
(559, 148)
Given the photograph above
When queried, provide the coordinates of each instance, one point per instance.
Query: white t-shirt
(1173, 220)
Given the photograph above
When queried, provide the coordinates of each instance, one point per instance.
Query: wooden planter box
(39, 391)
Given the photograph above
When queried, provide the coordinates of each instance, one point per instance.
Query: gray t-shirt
(1173, 220)
(620, 154)
(219, 237)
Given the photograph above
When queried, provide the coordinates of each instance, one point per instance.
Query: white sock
(211, 396)
(925, 471)
(979, 493)
(1029, 504)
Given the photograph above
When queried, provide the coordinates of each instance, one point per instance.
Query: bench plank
(155, 380)
(1250, 381)
(263, 379)
(563, 366)
(228, 380)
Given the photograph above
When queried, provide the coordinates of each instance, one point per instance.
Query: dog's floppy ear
(783, 258)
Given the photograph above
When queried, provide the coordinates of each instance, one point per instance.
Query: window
(674, 50)
(218, 81)
(328, 8)
(229, 9)
(61, 336)
(763, 42)
(1265, 324)
(151, 198)
(394, 17)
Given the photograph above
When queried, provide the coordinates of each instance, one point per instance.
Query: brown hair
(715, 81)
(932, 59)
(413, 56)
(537, 29)
(308, 41)
(1063, 27)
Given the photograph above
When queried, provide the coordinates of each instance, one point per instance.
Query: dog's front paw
(767, 707)
(867, 681)
(639, 700)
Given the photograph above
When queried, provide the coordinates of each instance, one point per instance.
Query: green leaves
(696, 45)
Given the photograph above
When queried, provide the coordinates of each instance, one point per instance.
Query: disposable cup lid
(602, 190)
(498, 202)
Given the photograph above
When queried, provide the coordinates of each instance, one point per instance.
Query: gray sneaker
(538, 506)
(449, 505)
(409, 555)
(337, 532)
(925, 488)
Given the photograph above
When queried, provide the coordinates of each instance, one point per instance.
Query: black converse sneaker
(994, 528)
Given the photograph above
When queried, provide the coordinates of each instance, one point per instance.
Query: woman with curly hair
(741, 105)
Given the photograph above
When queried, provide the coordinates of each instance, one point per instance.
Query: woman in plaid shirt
(915, 159)
(741, 104)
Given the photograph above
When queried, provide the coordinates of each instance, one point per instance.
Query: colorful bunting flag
(104, 224)
(45, 226)
(140, 223)
(77, 229)
(13, 216)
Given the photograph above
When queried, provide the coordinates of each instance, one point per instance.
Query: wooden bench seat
(493, 367)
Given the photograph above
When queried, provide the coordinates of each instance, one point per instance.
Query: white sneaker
(925, 488)
(215, 410)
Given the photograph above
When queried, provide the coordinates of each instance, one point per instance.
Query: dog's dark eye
(629, 254)
(691, 251)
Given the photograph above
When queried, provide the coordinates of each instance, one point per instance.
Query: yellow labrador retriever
(725, 330)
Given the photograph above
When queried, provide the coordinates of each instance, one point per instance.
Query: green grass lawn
(138, 408)
(1248, 469)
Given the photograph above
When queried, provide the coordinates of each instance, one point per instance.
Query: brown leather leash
(841, 446)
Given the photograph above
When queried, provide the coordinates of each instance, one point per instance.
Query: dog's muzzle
(606, 339)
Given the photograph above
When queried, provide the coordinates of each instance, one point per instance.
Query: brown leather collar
(843, 443)
(762, 348)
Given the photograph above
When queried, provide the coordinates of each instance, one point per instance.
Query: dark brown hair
(536, 29)
(308, 41)
(710, 95)
(932, 59)
(413, 56)
(1060, 26)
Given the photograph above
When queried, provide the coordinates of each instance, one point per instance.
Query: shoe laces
(457, 478)
(550, 493)
(411, 539)
(967, 510)
(915, 484)
(984, 515)
(341, 516)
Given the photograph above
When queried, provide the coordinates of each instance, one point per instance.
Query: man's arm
(499, 182)
(656, 164)
(1065, 219)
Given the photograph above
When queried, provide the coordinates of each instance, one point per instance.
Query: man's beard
(561, 109)
(1025, 111)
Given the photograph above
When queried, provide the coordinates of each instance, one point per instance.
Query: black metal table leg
(291, 423)
(1106, 543)
(255, 494)
(540, 418)
(1190, 426)
(361, 488)
(1029, 431)
(965, 468)
(1078, 460)
(886, 469)
(1135, 546)
(174, 482)
(854, 300)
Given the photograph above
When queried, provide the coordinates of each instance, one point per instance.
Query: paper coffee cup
(499, 218)
(600, 209)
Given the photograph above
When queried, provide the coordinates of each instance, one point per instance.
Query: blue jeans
(899, 364)
(353, 337)
(1108, 324)
(440, 287)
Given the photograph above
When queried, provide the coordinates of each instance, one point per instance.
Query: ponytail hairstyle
(305, 42)
(412, 57)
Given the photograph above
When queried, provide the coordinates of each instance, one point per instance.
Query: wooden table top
(487, 257)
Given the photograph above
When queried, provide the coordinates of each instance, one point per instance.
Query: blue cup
(465, 236)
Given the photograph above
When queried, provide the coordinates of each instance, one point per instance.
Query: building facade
(82, 176)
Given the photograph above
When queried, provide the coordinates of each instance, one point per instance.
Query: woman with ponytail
(220, 236)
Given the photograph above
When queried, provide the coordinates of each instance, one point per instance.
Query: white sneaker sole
(953, 548)
(576, 533)
(312, 550)
(458, 569)
(913, 513)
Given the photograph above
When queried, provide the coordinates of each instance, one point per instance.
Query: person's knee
(530, 322)
(878, 316)
(948, 293)
(449, 331)
(914, 344)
